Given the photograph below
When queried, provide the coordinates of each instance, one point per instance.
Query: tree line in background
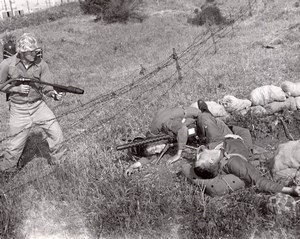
(111, 11)
(108, 11)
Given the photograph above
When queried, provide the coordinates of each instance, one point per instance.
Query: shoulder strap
(238, 155)
(227, 157)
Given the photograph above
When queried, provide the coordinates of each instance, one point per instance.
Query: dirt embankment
(269, 131)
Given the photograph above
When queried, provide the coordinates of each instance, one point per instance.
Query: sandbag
(292, 103)
(297, 100)
(267, 94)
(216, 109)
(287, 176)
(291, 88)
(286, 157)
(258, 110)
(288, 104)
(233, 104)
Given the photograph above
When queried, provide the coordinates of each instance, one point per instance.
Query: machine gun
(159, 144)
(58, 88)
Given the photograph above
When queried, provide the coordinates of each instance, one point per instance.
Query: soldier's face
(29, 56)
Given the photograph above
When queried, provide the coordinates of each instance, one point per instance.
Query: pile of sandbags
(264, 100)
(267, 94)
(235, 105)
(275, 99)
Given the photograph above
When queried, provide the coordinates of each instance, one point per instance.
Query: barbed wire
(102, 98)
(91, 129)
(199, 41)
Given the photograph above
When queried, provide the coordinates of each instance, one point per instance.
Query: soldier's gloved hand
(128, 171)
(131, 168)
(57, 95)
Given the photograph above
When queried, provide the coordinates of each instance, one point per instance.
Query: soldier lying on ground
(177, 120)
(172, 121)
(226, 168)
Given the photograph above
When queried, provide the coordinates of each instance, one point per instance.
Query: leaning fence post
(178, 68)
(232, 25)
(250, 8)
(214, 41)
(209, 27)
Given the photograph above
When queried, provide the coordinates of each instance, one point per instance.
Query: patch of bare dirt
(269, 131)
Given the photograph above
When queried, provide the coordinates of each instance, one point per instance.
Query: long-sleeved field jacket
(175, 121)
(244, 170)
(13, 68)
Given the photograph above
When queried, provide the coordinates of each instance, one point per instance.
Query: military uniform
(175, 122)
(28, 109)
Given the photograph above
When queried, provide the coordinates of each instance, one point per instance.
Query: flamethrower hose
(70, 89)
(144, 141)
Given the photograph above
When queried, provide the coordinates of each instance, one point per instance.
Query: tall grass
(86, 196)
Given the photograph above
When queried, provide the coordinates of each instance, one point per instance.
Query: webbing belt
(228, 156)
(225, 160)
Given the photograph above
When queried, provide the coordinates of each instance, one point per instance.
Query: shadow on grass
(36, 146)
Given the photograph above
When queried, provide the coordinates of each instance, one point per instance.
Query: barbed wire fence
(142, 86)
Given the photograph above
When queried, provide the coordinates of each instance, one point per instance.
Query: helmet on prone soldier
(207, 173)
(27, 42)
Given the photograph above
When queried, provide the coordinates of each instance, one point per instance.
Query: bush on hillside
(209, 14)
(8, 37)
(112, 11)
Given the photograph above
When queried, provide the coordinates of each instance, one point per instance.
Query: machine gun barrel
(144, 141)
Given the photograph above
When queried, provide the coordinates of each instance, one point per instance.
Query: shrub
(9, 37)
(112, 11)
(209, 14)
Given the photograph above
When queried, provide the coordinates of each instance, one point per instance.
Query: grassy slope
(101, 58)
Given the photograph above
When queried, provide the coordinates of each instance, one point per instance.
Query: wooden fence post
(178, 68)
(209, 25)
(214, 42)
(250, 8)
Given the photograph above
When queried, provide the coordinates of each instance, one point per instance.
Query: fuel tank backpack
(9, 49)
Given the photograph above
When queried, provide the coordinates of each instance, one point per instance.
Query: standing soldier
(26, 104)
